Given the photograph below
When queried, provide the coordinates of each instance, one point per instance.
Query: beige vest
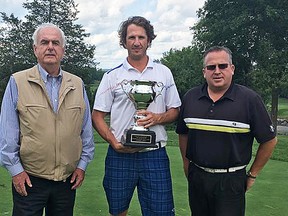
(50, 142)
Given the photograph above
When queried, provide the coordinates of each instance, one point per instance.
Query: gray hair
(48, 25)
(218, 49)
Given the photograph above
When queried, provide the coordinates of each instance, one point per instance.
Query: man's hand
(119, 147)
(19, 182)
(77, 178)
(149, 119)
(250, 182)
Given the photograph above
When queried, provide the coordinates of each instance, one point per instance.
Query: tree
(16, 43)
(270, 69)
(64, 14)
(256, 32)
(14, 52)
(186, 66)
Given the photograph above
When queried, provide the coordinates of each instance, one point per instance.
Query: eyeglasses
(213, 67)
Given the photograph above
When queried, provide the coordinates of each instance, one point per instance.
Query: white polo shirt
(111, 98)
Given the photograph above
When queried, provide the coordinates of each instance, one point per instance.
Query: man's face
(136, 42)
(49, 49)
(218, 71)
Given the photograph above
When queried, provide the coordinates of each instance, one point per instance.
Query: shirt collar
(129, 67)
(44, 74)
(229, 94)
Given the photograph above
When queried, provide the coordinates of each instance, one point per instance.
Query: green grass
(91, 199)
(280, 153)
(283, 108)
(267, 197)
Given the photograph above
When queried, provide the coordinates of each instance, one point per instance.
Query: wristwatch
(249, 174)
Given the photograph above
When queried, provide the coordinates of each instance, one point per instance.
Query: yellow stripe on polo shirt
(217, 125)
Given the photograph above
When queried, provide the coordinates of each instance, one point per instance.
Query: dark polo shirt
(221, 133)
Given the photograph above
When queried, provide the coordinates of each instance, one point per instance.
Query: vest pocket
(34, 109)
(31, 117)
(75, 115)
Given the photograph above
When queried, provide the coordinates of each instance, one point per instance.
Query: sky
(171, 20)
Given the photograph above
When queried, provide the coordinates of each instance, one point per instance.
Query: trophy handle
(160, 85)
(125, 83)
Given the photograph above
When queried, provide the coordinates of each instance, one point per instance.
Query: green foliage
(16, 52)
(98, 76)
(64, 14)
(257, 33)
(14, 55)
(186, 67)
(283, 109)
(229, 28)
(271, 67)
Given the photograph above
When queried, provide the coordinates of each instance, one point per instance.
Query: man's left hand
(250, 182)
(149, 120)
(77, 178)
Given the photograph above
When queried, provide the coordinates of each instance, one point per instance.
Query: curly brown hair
(139, 21)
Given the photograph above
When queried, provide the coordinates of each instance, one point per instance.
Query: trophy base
(136, 138)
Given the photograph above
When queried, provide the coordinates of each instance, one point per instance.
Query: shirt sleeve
(9, 130)
(172, 97)
(104, 97)
(86, 136)
(181, 127)
(261, 125)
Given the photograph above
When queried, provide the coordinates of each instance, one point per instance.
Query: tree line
(257, 33)
(16, 52)
(255, 30)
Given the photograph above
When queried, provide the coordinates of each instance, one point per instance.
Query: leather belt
(160, 144)
(212, 170)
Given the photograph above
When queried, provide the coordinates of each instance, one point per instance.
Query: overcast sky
(171, 20)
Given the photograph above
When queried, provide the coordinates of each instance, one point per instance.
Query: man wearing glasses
(217, 124)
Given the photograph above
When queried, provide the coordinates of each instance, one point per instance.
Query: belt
(160, 144)
(211, 170)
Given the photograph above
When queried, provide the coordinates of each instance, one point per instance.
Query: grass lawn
(283, 108)
(267, 197)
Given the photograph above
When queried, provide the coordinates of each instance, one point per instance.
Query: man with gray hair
(46, 136)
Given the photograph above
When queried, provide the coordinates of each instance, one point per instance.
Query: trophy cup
(141, 93)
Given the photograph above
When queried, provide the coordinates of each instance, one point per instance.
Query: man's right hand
(19, 182)
(119, 147)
